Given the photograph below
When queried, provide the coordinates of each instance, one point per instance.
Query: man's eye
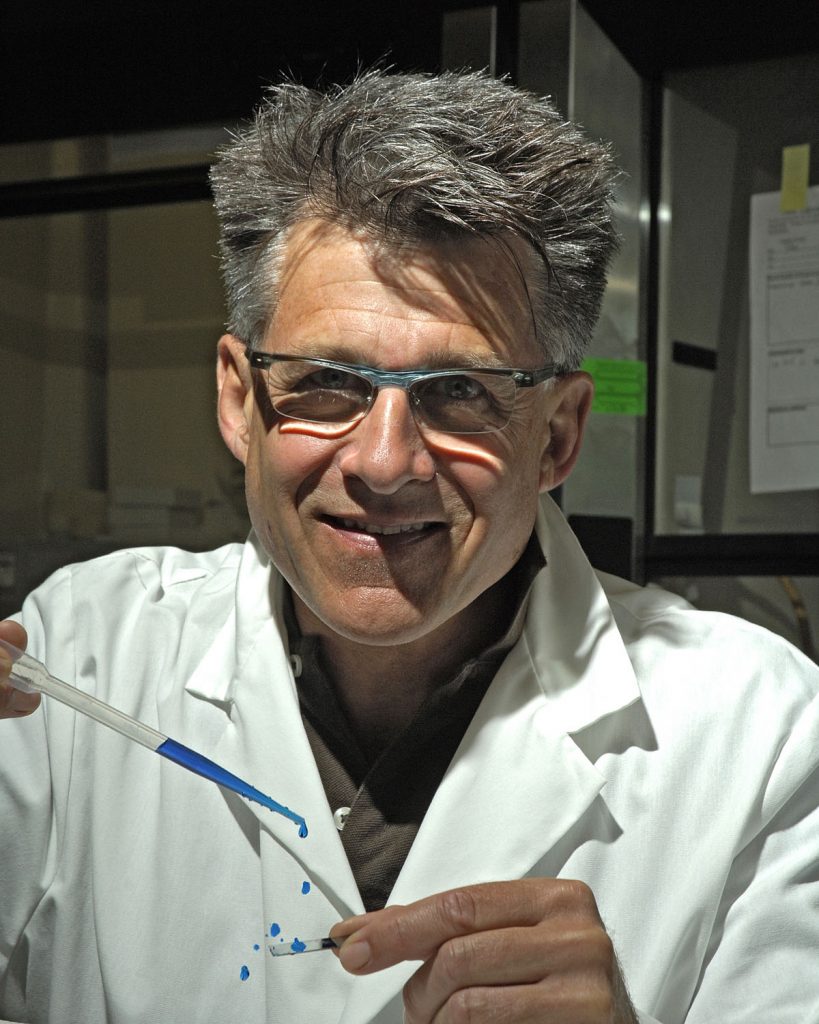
(328, 378)
(460, 388)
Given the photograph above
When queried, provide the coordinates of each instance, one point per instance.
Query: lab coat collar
(235, 620)
(574, 645)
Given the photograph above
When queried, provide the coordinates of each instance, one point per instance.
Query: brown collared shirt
(379, 804)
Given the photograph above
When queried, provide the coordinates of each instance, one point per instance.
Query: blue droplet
(305, 888)
(244, 974)
(256, 946)
(274, 930)
(297, 946)
(303, 830)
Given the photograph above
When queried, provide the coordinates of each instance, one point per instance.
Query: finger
(554, 949)
(16, 704)
(14, 633)
(344, 929)
(416, 931)
(13, 703)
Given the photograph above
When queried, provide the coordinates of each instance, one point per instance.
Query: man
(515, 766)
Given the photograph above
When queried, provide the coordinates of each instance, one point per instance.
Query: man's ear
(570, 401)
(234, 404)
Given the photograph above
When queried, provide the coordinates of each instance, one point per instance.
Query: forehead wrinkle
(451, 351)
(465, 299)
(340, 342)
(444, 288)
(488, 276)
(372, 322)
(436, 359)
(407, 315)
(369, 324)
(419, 305)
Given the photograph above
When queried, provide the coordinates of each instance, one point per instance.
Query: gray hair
(405, 158)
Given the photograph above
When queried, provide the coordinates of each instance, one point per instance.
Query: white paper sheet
(784, 269)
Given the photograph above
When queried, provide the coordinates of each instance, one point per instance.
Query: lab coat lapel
(576, 650)
(247, 669)
(513, 789)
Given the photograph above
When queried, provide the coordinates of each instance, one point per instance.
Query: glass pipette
(30, 676)
(308, 946)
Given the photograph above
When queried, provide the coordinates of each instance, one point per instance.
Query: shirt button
(340, 817)
(296, 665)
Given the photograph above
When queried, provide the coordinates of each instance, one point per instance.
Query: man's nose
(386, 449)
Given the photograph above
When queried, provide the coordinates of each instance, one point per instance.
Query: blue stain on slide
(305, 888)
(297, 946)
(244, 974)
(208, 769)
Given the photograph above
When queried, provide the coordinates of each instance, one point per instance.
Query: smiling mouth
(379, 530)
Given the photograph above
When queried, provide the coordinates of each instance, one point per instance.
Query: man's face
(383, 530)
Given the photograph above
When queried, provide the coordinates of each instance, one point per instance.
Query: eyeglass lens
(457, 403)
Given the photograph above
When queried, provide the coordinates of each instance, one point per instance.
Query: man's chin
(373, 616)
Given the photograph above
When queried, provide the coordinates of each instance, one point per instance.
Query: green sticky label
(619, 385)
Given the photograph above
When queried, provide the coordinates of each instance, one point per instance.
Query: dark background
(76, 67)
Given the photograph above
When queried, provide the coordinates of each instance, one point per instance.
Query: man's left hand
(530, 950)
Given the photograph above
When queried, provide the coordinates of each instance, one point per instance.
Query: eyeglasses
(453, 401)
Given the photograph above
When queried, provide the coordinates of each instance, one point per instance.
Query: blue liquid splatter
(244, 974)
(274, 930)
(208, 769)
(305, 888)
(297, 946)
(256, 946)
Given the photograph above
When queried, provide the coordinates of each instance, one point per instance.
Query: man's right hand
(14, 703)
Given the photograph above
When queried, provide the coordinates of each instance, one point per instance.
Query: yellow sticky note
(795, 174)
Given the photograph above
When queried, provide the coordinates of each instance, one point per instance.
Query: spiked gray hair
(406, 158)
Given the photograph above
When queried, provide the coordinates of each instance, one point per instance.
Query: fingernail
(355, 955)
(22, 702)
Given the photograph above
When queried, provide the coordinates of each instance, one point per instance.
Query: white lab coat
(665, 756)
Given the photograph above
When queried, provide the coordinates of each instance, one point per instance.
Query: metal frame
(724, 554)
(104, 191)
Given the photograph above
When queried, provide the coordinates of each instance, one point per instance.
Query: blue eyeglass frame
(404, 379)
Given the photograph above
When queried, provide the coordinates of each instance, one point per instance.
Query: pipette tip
(307, 946)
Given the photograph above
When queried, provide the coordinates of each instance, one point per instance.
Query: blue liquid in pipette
(203, 766)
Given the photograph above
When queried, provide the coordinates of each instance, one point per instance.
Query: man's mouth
(381, 529)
